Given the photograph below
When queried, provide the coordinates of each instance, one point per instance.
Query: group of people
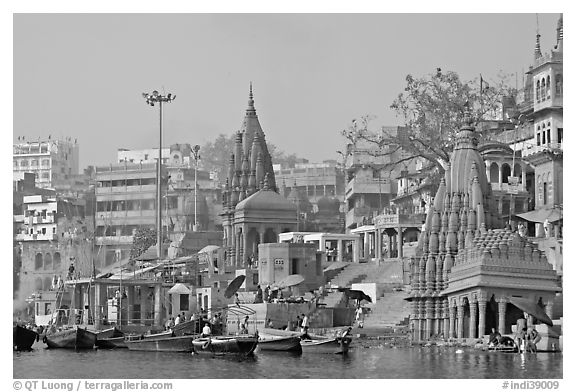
(525, 338)
(201, 317)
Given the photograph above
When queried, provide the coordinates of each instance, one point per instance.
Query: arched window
(38, 284)
(505, 173)
(57, 260)
(494, 173)
(24, 163)
(548, 87)
(538, 91)
(558, 85)
(47, 261)
(38, 261)
(543, 136)
(543, 89)
(548, 135)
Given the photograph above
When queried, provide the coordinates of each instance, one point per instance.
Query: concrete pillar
(366, 252)
(524, 177)
(389, 245)
(502, 316)
(157, 305)
(324, 190)
(488, 163)
(238, 251)
(452, 322)
(446, 315)
(340, 250)
(500, 205)
(500, 175)
(473, 319)
(460, 312)
(481, 318)
(97, 305)
(356, 251)
(245, 247)
(400, 243)
(130, 308)
(144, 291)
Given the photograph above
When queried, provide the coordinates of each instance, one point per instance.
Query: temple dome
(266, 200)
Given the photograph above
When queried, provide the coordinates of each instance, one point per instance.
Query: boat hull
(225, 345)
(73, 338)
(325, 346)
(162, 344)
(279, 343)
(108, 338)
(24, 338)
(116, 342)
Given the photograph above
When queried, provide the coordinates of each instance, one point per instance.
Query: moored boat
(274, 341)
(226, 345)
(325, 345)
(74, 338)
(162, 343)
(116, 342)
(109, 338)
(24, 338)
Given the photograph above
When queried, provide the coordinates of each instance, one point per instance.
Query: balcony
(549, 147)
(36, 237)
(356, 215)
(370, 186)
(507, 188)
(413, 219)
(114, 240)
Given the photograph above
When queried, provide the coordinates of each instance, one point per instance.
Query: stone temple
(468, 264)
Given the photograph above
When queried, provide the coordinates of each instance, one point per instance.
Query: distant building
(371, 179)
(52, 161)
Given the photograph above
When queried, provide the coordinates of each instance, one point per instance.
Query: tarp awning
(532, 308)
(539, 216)
(209, 249)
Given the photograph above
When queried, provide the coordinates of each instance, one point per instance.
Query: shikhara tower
(468, 265)
(253, 211)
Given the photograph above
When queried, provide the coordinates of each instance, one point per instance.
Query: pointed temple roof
(250, 162)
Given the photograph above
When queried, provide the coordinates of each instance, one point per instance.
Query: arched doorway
(57, 261)
(505, 173)
(466, 319)
(494, 173)
(38, 261)
(270, 236)
(48, 261)
(491, 315)
(252, 240)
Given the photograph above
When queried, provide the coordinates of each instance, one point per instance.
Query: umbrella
(532, 309)
(234, 286)
(179, 288)
(209, 249)
(358, 295)
(539, 216)
(290, 280)
(336, 266)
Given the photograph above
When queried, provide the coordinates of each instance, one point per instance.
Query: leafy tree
(433, 108)
(143, 239)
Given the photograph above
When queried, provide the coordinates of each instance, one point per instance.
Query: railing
(552, 147)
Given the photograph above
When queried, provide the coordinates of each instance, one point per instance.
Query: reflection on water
(371, 362)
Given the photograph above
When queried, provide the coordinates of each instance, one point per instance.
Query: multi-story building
(53, 232)
(52, 161)
(371, 179)
(543, 110)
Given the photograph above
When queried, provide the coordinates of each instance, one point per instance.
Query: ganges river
(365, 360)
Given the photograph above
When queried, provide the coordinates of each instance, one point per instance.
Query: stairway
(390, 310)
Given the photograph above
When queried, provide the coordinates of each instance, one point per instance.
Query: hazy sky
(82, 75)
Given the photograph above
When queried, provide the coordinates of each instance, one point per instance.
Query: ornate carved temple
(253, 211)
(467, 264)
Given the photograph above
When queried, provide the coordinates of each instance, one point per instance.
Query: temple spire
(560, 34)
(537, 49)
(251, 108)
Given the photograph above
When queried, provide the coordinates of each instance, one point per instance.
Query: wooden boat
(325, 345)
(24, 338)
(74, 338)
(277, 340)
(110, 338)
(226, 345)
(162, 343)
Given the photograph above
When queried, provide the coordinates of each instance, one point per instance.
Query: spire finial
(537, 49)
(266, 182)
(559, 31)
(251, 99)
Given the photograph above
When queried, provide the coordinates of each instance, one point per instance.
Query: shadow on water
(360, 362)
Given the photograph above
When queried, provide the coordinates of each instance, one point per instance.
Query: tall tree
(432, 108)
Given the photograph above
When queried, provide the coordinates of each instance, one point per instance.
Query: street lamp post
(151, 99)
(196, 152)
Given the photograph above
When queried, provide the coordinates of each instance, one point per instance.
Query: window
(24, 163)
(543, 137)
(45, 176)
(548, 87)
(15, 163)
(538, 91)
(545, 193)
(255, 279)
(45, 162)
(560, 132)
(184, 302)
(548, 135)
(558, 85)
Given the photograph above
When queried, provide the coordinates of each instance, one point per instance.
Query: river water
(365, 360)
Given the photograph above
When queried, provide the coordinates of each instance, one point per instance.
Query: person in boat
(237, 299)
(298, 323)
(520, 334)
(269, 324)
(305, 324)
(246, 319)
(494, 338)
(243, 329)
(206, 331)
(71, 271)
(167, 324)
(266, 294)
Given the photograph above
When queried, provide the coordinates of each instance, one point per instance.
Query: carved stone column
(452, 321)
(481, 318)
(429, 317)
(446, 329)
(460, 312)
(502, 303)
(473, 319)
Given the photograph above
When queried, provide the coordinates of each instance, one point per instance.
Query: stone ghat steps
(390, 310)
